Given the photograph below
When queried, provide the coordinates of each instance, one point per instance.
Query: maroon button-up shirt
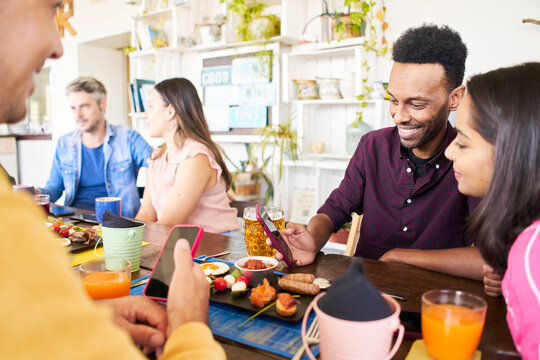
(399, 213)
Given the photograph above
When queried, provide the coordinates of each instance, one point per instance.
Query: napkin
(353, 297)
(418, 352)
(111, 220)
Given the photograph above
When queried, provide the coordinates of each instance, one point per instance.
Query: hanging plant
(253, 25)
(373, 16)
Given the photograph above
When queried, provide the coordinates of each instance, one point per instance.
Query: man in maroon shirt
(399, 178)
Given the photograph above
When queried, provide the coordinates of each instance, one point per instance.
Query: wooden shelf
(236, 139)
(154, 13)
(328, 48)
(351, 101)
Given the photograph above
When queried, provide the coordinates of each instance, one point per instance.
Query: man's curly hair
(430, 44)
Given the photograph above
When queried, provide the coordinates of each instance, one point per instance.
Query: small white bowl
(256, 276)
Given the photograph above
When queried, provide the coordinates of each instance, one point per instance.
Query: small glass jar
(354, 132)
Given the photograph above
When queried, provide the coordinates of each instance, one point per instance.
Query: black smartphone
(273, 234)
(413, 324)
(85, 217)
(59, 211)
(157, 287)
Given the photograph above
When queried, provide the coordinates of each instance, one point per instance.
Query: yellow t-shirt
(44, 312)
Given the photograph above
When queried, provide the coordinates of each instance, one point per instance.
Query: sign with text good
(215, 76)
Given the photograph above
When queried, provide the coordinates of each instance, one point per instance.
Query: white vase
(329, 88)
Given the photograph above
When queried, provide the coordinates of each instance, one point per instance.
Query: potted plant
(254, 25)
(282, 137)
(210, 32)
(344, 24)
(246, 179)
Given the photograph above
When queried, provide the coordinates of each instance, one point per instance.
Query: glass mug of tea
(452, 323)
(254, 235)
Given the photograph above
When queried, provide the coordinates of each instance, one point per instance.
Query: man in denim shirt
(98, 159)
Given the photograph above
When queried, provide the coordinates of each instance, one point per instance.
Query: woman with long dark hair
(187, 177)
(496, 156)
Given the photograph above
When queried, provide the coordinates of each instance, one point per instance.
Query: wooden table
(408, 280)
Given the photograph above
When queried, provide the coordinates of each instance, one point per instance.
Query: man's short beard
(434, 127)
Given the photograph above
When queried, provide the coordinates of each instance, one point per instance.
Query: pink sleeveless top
(212, 212)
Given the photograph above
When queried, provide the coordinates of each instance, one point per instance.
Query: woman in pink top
(187, 177)
(496, 156)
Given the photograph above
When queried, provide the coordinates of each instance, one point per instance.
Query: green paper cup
(122, 243)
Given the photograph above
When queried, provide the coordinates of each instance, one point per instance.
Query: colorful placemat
(89, 254)
(269, 334)
(418, 352)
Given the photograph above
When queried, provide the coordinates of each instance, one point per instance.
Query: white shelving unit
(325, 120)
(315, 120)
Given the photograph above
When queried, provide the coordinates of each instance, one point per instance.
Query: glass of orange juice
(254, 235)
(452, 323)
(105, 279)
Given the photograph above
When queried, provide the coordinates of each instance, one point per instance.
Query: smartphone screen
(160, 279)
(85, 217)
(273, 234)
(59, 211)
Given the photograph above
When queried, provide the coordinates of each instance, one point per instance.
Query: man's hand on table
(492, 282)
(189, 293)
(301, 242)
(144, 319)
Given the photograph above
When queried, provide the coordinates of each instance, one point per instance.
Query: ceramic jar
(329, 88)
(306, 89)
(316, 147)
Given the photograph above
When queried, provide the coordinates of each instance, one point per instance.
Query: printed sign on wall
(257, 94)
(248, 117)
(216, 76)
(249, 70)
(221, 95)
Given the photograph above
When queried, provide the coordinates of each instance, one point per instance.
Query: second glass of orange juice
(101, 281)
(452, 323)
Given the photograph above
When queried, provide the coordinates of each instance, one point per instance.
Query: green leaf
(261, 311)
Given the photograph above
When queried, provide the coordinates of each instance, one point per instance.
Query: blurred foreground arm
(187, 308)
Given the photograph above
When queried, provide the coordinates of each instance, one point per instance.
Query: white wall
(108, 66)
(492, 29)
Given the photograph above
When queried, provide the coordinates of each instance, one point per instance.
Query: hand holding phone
(274, 235)
(157, 287)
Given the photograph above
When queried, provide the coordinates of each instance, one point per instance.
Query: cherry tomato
(64, 232)
(56, 229)
(69, 227)
(244, 279)
(220, 284)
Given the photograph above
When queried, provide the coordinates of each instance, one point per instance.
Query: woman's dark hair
(430, 44)
(182, 96)
(506, 112)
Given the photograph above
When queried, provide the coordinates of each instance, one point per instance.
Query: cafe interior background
(117, 42)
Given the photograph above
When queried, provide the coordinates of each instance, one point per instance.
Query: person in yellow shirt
(44, 310)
